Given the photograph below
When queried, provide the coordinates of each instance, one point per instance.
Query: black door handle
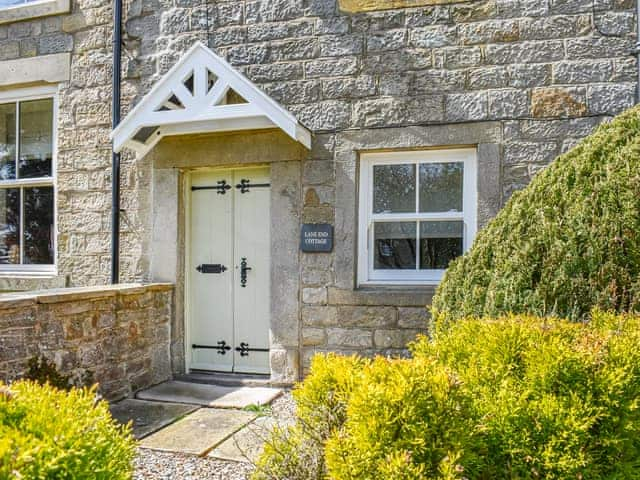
(211, 268)
(243, 272)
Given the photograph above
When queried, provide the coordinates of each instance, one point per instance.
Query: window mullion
(21, 239)
(417, 213)
(17, 159)
(418, 245)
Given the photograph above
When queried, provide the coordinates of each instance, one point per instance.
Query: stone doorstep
(148, 417)
(213, 396)
(199, 432)
(247, 444)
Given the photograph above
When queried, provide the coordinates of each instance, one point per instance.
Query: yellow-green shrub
(406, 418)
(552, 399)
(518, 397)
(47, 433)
(297, 452)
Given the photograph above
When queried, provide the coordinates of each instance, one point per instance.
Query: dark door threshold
(224, 379)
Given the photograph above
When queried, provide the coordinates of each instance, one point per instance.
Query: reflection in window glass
(36, 138)
(394, 188)
(7, 141)
(9, 226)
(440, 242)
(441, 187)
(11, 3)
(38, 225)
(395, 245)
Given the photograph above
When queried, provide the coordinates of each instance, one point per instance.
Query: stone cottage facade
(387, 132)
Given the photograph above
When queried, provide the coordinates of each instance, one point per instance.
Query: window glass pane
(7, 141)
(394, 245)
(11, 3)
(9, 225)
(394, 188)
(441, 187)
(38, 225)
(440, 242)
(36, 138)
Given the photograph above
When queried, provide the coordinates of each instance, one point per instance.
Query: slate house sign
(316, 237)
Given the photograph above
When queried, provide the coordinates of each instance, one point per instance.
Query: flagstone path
(196, 431)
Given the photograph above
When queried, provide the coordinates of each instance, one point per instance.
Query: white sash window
(27, 198)
(417, 213)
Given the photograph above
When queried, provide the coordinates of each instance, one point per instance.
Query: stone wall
(118, 334)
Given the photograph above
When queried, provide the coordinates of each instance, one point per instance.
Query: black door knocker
(243, 272)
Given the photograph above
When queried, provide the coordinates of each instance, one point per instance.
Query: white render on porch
(190, 99)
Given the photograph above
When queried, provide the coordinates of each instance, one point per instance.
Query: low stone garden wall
(119, 335)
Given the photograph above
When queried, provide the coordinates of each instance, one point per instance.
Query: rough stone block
(466, 106)
(362, 86)
(313, 337)
(610, 99)
(414, 318)
(558, 102)
(330, 67)
(340, 45)
(314, 296)
(324, 116)
(582, 71)
(349, 337)
(319, 316)
(367, 317)
(530, 152)
(433, 36)
(598, 47)
(491, 31)
(524, 52)
(508, 104)
(554, 27)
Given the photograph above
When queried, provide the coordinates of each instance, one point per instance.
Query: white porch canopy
(202, 93)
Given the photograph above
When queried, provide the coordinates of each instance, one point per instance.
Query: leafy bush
(567, 243)
(406, 419)
(298, 452)
(552, 399)
(515, 398)
(50, 433)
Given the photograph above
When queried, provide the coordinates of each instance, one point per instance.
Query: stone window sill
(29, 274)
(40, 8)
(399, 296)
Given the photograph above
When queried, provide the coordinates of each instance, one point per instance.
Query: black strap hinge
(245, 185)
(244, 349)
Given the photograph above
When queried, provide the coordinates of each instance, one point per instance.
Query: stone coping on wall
(60, 295)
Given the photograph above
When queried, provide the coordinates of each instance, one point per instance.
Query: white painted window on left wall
(27, 179)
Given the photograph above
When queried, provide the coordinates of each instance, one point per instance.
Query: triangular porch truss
(202, 93)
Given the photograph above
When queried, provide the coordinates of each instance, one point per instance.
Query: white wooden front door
(229, 271)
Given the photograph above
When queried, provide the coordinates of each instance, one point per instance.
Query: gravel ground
(176, 466)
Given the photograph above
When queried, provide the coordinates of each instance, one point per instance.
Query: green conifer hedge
(567, 243)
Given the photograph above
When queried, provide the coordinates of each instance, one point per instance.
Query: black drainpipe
(115, 157)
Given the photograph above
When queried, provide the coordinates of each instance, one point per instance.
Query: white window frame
(33, 9)
(22, 95)
(367, 275)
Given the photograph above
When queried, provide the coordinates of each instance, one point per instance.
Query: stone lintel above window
(33, 9)
(354, 6)
(43, 69)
